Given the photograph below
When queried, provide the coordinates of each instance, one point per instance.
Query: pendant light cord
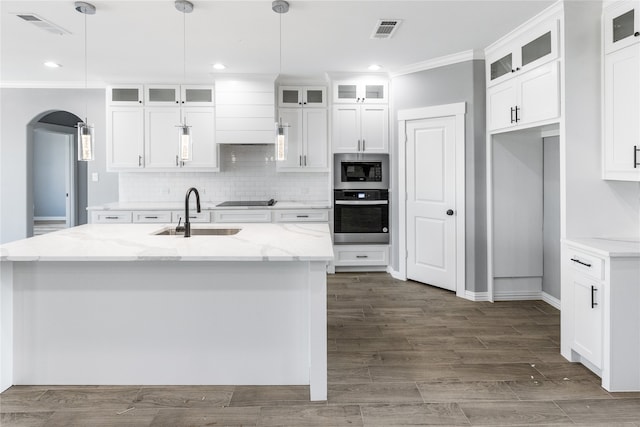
(86, 97)
(280, 46)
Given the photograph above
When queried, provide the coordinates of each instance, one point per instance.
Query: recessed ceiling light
(52, 64)
(219, 66)
(374, 67)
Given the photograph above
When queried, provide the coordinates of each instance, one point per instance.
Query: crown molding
(468, 55)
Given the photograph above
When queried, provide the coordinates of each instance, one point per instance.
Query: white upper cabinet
(161, 137)
(205, 151)
(302, 96)
(360, 129)
(185, 95)
(125, 138)
(621, 112)
(621, 25)
(532, 48)
(531, 98)
(125, 95)
(361, 91)
(307, 148)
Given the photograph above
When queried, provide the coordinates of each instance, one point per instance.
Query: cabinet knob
(140, 102)
(304, 103)
(299, 103)
(449, 212)
(636, 34)
(513, 71)
(177, 102)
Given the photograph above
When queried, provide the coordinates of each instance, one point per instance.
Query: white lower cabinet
(361, 255)
(245, 215)
(600, 314)
(204, 216)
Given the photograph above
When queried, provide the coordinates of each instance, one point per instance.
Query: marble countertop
(177, 206)
(137, 242)
(609, 247)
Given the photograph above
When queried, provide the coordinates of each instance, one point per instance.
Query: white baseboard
(395, 274)
(524, 295)
(49, 218)
(360, 268)
(476, 296)
(551, 300)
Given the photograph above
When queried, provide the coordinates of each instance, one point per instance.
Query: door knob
(449, 212)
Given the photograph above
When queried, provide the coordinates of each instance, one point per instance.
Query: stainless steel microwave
(361, 171)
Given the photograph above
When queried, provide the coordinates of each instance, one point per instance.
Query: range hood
(245, 110)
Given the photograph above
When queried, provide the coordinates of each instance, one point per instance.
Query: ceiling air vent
(385, 28)
(42, 23)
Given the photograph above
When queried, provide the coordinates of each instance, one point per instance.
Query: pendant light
(185, 141)
(86, 134)
(282, 132)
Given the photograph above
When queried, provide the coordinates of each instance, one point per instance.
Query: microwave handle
(362, 202)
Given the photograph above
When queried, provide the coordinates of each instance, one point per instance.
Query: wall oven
(361, 171)
(361, 216)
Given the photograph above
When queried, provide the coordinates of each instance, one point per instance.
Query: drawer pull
(151, 217)
(302, 216)
(362, 256)
(593, 296)
(111, 217)
(581, 262)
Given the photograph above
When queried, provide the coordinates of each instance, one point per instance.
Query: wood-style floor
(400, 353)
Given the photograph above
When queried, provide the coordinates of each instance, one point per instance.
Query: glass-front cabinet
(365, 92)
(125, 95)
(172, 95)
(302, 96)
(621, 25)
(533, 48)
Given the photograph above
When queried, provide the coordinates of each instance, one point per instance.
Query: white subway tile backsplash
(247, 172)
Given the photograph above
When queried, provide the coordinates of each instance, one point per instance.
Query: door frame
(456, 110)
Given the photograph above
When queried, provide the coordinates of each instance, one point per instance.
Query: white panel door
(621, 112)
(161, 137)
(501, 103)
(315, 138)
(539, 94)
(203, 132)
(125, 138)
(375, 128)
(431, 224)
(346, 128)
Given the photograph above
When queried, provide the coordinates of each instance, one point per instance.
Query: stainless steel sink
(200, 232)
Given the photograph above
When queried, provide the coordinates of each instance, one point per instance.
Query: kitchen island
(118, 304)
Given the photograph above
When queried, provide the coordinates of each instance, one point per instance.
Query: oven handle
(362, 202)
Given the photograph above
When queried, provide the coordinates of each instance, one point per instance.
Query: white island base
(170, 323)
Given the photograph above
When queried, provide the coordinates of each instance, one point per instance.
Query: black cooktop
(248, 203)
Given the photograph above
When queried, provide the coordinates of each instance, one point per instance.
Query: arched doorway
(57, 181)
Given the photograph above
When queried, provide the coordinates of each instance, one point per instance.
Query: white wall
(247, 172)
(18, 107)
(592, 207)
(462, 82)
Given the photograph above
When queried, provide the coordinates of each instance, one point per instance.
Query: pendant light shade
(86, 134)
(85, 142)
(282, 132)
(185, 142)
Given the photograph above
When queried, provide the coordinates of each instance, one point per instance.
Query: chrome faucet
(187, 224)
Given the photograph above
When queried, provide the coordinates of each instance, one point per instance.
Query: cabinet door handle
(358, 145)
(139, 161)
(305, 160)
(635, 156)
(581, 262)
(362, 256)
(363, 146)
(300, 160)
(512, 110)
(593, 296)
(517, 109)
(177, 164)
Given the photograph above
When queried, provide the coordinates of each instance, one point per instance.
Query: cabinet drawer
(316, 215)
(248, 215)
(151, 216)
(354, 255)
(193, 216)
(588, 264)
(110, 217)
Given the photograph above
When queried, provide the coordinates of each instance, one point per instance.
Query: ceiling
(142, 41)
